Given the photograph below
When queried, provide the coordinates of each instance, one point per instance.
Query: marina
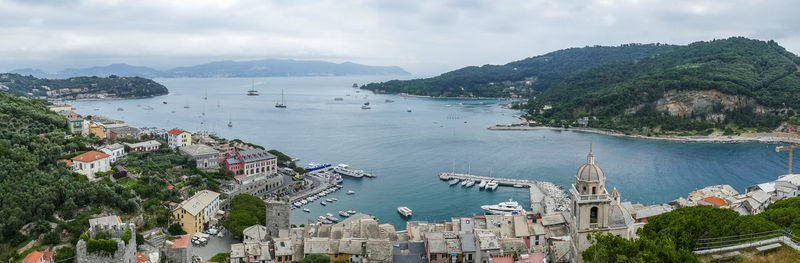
(554, 199)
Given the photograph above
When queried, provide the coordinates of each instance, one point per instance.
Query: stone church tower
(277, 218)
(595, 209)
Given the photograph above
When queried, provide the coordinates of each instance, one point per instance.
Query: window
(593, 215)
(594, 190)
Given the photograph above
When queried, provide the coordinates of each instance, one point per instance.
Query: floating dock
(537, 197)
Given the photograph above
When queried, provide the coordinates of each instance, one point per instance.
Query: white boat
(464, 183)
(343, 214)
(454, 181)
(333, 219)
(334, 199)
(352, 212)
(306, 210)
(504, 208)
(338, 99)
(323, 203)
(282, 104)
(329, 200)
(351, 192)
(409, 109)
(491, 185)
(404, 211)
(321, 217)
(329, 214)
(304, 202)
(470, 184)
(518, 186)
(365, 107)
(482, 184)
(344, 169)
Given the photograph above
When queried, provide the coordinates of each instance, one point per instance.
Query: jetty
(554, 199)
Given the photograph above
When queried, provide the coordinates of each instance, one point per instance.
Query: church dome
(590, 171)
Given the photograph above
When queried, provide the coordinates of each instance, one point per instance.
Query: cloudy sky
(424, 37)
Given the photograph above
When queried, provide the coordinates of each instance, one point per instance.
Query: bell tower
(591, 203)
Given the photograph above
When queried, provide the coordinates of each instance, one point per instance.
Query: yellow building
(98, 129)
(194, 214)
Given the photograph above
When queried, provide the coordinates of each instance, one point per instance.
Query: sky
(425, 37)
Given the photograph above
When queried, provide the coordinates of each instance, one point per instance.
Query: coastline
(743, 138)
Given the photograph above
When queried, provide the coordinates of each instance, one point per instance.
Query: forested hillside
(524, 77)
(34, 187)
(81, 87)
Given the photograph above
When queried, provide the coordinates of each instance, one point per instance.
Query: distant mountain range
(223, 69)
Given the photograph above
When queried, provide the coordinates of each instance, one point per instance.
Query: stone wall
(126, 253)
(277, 217)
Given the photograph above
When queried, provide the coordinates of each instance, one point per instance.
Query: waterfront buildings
(115, 151)
(250, 162)
(98, 129)
(177, 138)
(207, 158)
(78, 126)
(90, 163)
(124, 132)
(146, 146)
(196, 213)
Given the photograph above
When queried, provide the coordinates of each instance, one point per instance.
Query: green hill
(81, 87)
(34, 187)
(735, 84)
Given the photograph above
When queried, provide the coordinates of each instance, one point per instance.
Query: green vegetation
(624, 87)
(671, 237)
(64, 254)
(246, 210)
(316, 258)
(122, 87)
(126, 237)
(286, 161)
(220, 257)
(101, 246)
(33, 185)
(176, 230)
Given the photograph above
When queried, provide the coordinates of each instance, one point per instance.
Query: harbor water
(407, 150)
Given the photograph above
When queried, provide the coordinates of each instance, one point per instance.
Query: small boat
(491, 185)
(343, 214)
(352, 212)
(164, 102)
(321, 217)
(306, 210)
(329, 214)
(332, 219)
(186, 107)
(329, 200)
(304, 202)
(365, 106)
(338, 99)
(404, 211)
(323, 203)
(120, 109)
(453, 181)
(252, 91)
(355, 85)
(326, 221)
(334, 199)
(96, 108)
(388, 101)
(282, 104)
(518, 186)
(409, 109)
(464, 183)
(351, 192)
(482, 184)
(470, 184)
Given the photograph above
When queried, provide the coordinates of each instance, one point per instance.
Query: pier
(539, 203)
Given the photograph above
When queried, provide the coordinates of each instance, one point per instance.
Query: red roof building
(39, 257)
(715, 201)
(90, 156)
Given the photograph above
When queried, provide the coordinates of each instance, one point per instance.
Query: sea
(407, 150)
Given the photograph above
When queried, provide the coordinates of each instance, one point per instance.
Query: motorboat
(323, 203)
(482, 184)
(338, 99)
(470, 184)
(351, 212)
(334, 199)
(464, 183)
(351, 192)
(329, 200)
(404, 211)
(343, 214)
(504, 208)
(453, 181)
(306, 210)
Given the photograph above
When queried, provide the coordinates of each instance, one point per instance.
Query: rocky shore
(772, 137)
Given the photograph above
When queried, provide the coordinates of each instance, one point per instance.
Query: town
(208, 199)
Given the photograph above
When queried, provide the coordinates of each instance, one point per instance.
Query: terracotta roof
(170, 186)
(48, 254)
(181, 242)
(175, 132)
(90, 156)
(140, 257)
(715, 200)
(68, 162)
(33, 257)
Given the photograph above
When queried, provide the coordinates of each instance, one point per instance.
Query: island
(81, 87)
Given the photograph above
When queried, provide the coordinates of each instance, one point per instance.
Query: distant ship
(338, 99)
(365, 106)
(164, 102)
(355, 85)
(282, 104)
(230, 124)
(252, 91)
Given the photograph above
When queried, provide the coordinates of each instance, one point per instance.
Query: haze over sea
(407, 150)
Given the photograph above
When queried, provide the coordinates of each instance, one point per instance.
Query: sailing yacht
(230, 124)
(282, 104)
(252, 91)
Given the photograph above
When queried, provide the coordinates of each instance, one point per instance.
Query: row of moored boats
(488, 185)
(310, 199)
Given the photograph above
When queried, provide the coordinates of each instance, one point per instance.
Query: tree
(220, 257)
(65, 254)
(246, 210)
(316, 258)
(51, 238)
(176, 229)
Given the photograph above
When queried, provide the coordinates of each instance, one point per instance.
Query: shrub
(101, 246)
(176, 229)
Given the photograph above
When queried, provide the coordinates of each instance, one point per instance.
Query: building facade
(206, 157)
(146, 146)
(78, 126)
(115, 151)
(195, 213)
(126, 132)
(251, 162)
(90, 163)
(277, 218)
(177, 138)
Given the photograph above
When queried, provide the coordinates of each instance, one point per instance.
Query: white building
(177, 138)
(90, 163)
(116, 151)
